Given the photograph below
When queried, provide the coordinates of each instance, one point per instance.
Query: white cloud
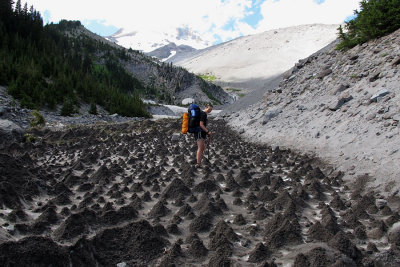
(285, 13)
(199, 15)
(159, 15)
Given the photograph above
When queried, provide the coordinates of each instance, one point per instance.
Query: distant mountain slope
(168, 83)
(149, 40)
(248, 61)
(170, 50)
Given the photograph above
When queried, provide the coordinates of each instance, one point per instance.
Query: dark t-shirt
(203, 118)
(202, 134)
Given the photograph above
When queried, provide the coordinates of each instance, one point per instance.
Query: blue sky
(215, 20)
(253, 14)
(100, 27)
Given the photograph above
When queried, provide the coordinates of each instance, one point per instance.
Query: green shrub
(208, 77)
(375, 19)
(67, 108)
(233, 89)
(93, 108)
(37, 120)
(30, 138)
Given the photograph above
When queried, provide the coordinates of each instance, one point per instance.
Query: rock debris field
(128, 194)
(343, 106)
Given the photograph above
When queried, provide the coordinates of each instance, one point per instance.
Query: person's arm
(204, 128)
(203, 118)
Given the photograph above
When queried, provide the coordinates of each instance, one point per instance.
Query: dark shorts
(200, 135)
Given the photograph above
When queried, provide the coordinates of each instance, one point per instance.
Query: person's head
(208, 108)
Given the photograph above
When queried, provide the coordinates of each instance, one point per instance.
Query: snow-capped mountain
(148, 40)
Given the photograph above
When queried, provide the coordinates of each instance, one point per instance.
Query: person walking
(202, 135)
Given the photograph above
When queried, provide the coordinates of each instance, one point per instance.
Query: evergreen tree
(6, 13)
(25, 10)
(67, 108)
(37, 120)
(18, 8)
(375, 19)
(42, 66)
(93, 108)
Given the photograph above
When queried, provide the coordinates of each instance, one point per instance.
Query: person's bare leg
(200, 149)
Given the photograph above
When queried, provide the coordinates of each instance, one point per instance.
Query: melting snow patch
(149, 101)
(173, 53)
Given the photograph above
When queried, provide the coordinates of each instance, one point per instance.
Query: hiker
(201, 136)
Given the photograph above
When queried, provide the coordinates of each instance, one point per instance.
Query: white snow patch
(147, 101)
(173, 53)
(187, 101)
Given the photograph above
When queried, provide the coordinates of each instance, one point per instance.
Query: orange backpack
(185, 123)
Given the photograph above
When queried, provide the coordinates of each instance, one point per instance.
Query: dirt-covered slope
(248, 62)
(342, 106)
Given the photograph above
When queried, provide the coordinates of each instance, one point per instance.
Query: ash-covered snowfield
(128, 194)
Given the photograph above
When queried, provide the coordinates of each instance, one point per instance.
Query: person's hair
(209, 105)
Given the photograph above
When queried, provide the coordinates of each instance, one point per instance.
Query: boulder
(10, 132)
(291, 78)
(379, 95)
(324, 73)
(341, 88)
(375, 76)
(340, 102)
(270, 115)
(396, 61)
(353, 57)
